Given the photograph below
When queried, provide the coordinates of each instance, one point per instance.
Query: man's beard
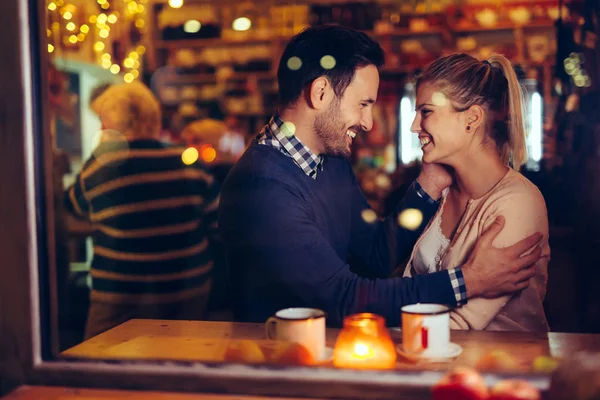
(329, 128)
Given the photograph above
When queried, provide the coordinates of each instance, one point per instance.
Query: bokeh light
(241, 24)
(288, 129)
(383, 182)
(439, 99)
(189, 156)
(327, 62)
(369, 216)
(208, 153)
(410, 219)
(192, 26)
(294, 63)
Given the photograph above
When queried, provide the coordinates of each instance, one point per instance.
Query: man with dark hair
(291, 210)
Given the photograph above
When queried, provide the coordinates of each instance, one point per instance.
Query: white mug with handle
(305, 326)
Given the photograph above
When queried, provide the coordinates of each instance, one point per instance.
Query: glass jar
(364, 343)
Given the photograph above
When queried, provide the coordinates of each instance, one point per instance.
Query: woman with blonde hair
(470, 119)
(152, 208)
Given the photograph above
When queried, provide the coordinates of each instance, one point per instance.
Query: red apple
(461, 383)
(514, 389)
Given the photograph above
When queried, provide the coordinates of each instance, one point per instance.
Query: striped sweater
(152, 217)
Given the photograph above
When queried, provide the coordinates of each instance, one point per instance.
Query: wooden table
(66, 393)
(204, 341)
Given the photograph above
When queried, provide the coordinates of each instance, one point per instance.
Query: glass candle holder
(364, 343)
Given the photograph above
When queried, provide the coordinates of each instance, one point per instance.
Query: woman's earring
(468, 127)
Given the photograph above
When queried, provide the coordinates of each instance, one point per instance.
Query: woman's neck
(478, 173)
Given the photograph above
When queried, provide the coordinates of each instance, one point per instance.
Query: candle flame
(361, 350)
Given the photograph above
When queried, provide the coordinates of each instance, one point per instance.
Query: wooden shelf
(405, 32)
(220, 42)
(206, 78)
(501, 27)
(215, 42)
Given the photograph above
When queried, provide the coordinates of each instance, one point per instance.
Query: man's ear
(474, 118)
(320, 93)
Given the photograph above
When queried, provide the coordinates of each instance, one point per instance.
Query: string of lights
(70, 27)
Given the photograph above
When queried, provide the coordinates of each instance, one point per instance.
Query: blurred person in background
(152, 207)
(218, 147)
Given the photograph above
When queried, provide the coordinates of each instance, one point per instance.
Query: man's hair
(302, 60)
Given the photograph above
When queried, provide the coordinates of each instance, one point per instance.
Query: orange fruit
(292, 354)
(246, 351)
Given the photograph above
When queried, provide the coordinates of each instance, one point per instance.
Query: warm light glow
(71, 26)
(192, 26)
(410, 219)
(67, 15)
(208, 153)
(140, 9)
(141, 49)
(103, 33)
(364, 343)
(241, 24)
(535, 134)
(73, 39)
(102, 18)
(136, 64)
(84, 29)
(106, 56)
(48, 32)
(101, 2)
(93, 19)
(106, 64)
(361, 350)
(115, 69)
(135, 74)
(50, 48)
(128, 77)
(52, 6)
(139, 23)
(176, 3)
(132, 7)
(80, 37)
(112, 18)
(189, 156)
(98, 47)
(128, 63)
(407, 115)
(133, 55)
(105, 6)
(327, 62)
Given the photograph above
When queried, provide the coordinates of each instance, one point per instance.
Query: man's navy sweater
(288, 239)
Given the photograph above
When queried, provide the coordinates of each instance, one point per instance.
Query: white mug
(305, 326)
(426, 329)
